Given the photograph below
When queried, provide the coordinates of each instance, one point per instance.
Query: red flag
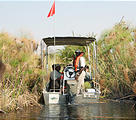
(52, 10)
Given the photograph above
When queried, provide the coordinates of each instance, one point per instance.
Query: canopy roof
(81, 41)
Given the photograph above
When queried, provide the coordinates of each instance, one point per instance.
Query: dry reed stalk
(102, 84)
(18, 102)
(126, 77)
(134, 62)
(134, 87)
(2, 69)
(135, 35)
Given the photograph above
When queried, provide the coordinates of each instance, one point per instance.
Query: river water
(93, 111)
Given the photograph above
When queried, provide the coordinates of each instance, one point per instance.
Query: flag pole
(54, 52)
(51, 13)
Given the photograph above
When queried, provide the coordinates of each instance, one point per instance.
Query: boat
(60, 96)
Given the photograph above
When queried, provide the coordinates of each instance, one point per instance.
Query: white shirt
(82, 62)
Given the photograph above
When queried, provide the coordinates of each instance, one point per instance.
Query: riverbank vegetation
(116, 60)
(21, 83)
(21, 71)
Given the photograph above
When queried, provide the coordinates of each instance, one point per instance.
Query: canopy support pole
(42, 61)
(94, 60)
(46, 54)
(97, 79)
(89, 60)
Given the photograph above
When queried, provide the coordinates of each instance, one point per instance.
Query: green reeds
(116, 57)
(21, 84)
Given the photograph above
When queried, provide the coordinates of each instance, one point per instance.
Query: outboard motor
(69, 76)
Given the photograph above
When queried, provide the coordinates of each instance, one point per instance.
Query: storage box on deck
(91, 91)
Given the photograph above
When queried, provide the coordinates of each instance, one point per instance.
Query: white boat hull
(54, 98)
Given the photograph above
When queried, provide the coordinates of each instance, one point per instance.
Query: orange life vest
(76, 62)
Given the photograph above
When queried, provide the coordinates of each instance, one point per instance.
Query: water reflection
(94, 111)
(54, 111)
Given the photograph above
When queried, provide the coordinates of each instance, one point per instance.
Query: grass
(21, 83)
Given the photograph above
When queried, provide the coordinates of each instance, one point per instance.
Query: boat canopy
(81, 41)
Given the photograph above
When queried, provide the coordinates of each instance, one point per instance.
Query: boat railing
(55, 90)
(96, 85)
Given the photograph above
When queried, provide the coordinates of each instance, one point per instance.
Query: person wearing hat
(55, 77)
(79, 65)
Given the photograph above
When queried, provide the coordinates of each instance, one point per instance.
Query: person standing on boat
(79, 64)
(55, 75)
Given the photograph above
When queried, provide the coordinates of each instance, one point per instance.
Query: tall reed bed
(117, 61)
(21, 83)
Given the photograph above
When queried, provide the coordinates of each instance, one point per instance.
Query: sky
(78, 16)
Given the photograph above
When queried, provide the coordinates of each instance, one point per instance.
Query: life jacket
(62, 77)
(76, 62)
